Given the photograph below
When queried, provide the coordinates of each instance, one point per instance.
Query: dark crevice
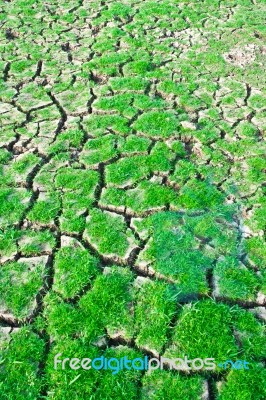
(38, 70)
(6, 71)
(63, 113)
(212, 389)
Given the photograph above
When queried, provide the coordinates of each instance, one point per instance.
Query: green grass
(108, 305)
(74, 268)
(133, 144)
(66, 141)
(97, 126)
(69, 384)
(62, 383)
(235, 281)
(20, 360)
(195, 336)
(119, 237)
(157, 124)
(244, 385)
(122, 385)
(166, 385)
(21, 281)
(8, 246)
(13, 203)
(230, 335)
(128, 84)
(155, 308)
(45, 211)
(99, 150)
(132, 195)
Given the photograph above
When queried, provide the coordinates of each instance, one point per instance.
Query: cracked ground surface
(132, 211)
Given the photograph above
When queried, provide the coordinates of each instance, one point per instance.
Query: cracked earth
(132, 195)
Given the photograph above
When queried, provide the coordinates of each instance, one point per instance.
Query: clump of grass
(20, 284)
(128, 84)
(203, 330)
(32, 243)
(74, 268)
(45, 211)
(68, 383)
(157, 124)
(19, 362)
(13, 203)
(167, 385)
(244, 384)
(107, 305)
(109, 233)
(234, 281)
(98, 150)
(154, 311)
